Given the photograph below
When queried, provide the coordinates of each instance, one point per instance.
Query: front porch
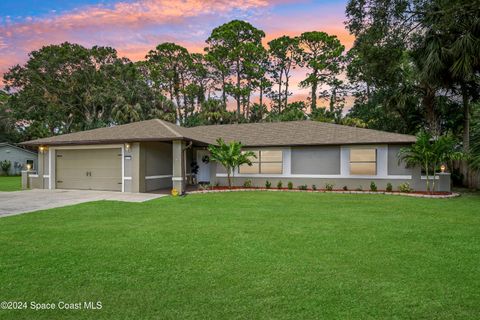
(158, 167)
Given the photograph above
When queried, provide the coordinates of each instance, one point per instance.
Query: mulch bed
(418, 194)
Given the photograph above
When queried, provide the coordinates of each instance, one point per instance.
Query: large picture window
(267, 162)
(363, 161)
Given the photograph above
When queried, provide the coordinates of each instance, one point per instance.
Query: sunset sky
(136, 26)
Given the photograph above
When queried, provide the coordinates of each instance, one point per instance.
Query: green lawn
(10, 183)
(251, 255)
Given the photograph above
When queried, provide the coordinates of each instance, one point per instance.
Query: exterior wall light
(29, 166)
(127, 147)
(442, 168)
(42, 149)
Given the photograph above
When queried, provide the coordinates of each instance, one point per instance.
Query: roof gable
(9, 145)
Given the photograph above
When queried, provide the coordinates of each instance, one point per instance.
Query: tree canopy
(414, 66)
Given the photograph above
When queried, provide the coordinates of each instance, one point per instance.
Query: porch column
(138, 168)
(178, 156)
(42, 163)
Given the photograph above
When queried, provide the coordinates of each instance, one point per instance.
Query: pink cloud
(134, 28)
(124, 26)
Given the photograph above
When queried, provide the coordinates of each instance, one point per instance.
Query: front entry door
(204, 167)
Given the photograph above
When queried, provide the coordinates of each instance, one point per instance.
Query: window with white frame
(266, 162)
(363, 161)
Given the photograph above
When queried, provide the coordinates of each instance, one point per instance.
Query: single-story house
(154, 154)
(19, 158)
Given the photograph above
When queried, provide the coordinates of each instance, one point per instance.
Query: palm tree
(429, 153)
(420, 153)
(444, 151)
(124, 112)
(230, 156)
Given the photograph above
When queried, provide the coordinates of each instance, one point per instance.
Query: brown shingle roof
(295, 133)
(250, 134)
(149, 130)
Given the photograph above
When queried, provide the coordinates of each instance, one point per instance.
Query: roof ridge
(170, 129)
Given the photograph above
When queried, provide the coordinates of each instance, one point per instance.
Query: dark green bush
(389, 187)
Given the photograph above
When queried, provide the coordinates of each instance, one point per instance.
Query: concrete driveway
(12, 203)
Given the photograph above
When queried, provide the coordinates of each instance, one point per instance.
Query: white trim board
(88, 146)
(316, 176)
(158, 177)
(50, 174)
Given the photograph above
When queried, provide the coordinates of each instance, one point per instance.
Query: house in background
(151, 155)
(18, 157)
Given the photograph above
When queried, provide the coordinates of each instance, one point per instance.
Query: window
(363, 161)
(267, 162)
(30, 162)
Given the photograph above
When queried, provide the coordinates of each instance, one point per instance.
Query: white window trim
(286, 164)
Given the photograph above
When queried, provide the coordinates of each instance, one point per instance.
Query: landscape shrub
(279, 185)
(247, 183)
(389, 187)
(268, 184)
(373, 186)
(405, 187)
(5, 166)
(314, 187)
(345, 188)
(303, 187)
(329, 186)
(204, 186)
(290, 185)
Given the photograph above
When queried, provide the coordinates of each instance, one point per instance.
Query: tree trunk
(224, 95)
(179, 110)
(261, 102)
(314, 96)
(238, 89)
(466, 119)
(280, 92)
(428, 177)
(229, 178)
(428, 102)
(286, 91)
(466, 134)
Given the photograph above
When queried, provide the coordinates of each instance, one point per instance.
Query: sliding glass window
(267, 162)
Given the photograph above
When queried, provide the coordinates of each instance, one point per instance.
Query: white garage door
(89, 169)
